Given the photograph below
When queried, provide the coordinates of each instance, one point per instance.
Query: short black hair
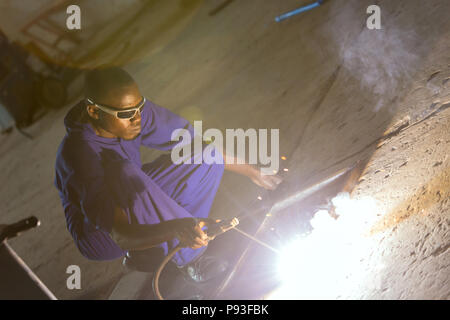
(100, 82)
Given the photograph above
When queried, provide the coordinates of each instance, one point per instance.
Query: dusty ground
(330, 85)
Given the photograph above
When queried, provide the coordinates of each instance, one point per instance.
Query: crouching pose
(114, 205)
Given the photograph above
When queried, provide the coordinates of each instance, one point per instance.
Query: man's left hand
(268, 182)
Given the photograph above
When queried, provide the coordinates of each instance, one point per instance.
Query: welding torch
(229, 224)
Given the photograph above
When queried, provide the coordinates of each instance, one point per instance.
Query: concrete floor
(330, 85)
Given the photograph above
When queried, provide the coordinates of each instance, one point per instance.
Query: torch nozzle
(221, 227)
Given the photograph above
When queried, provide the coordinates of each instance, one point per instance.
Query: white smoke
(383, 61)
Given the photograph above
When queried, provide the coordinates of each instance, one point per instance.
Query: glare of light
(326, 263)
(192, 113)
(283, 158)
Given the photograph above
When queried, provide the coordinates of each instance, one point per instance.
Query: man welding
(115, 206)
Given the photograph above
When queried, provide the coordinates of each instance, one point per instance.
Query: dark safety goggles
(124, 114)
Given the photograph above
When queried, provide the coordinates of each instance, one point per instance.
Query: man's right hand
(141, 236)
(189, 232)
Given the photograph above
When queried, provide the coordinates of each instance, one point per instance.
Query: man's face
(123, 98)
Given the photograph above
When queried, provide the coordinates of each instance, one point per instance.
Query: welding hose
(161, 267)
(214, 231)
(155, 282)
(218, 228)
